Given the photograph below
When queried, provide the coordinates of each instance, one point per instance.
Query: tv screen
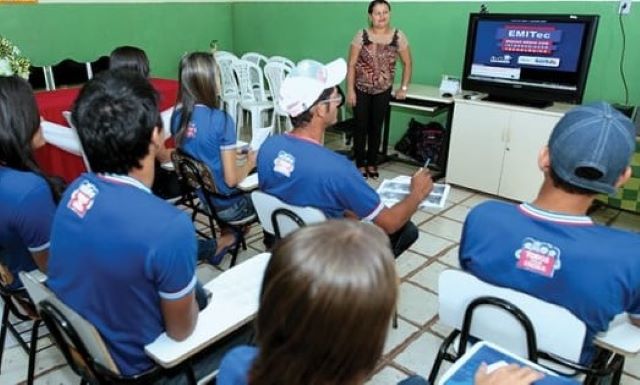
(535, 59)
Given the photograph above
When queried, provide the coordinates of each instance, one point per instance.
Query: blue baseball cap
(591, 146)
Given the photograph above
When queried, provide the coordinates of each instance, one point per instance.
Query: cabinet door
(477, 146)
(527, 134)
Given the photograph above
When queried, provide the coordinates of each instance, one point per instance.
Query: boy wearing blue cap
(550, 248)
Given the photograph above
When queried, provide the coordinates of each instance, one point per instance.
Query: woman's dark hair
(19, 123)
(304, 118)
(129, 57)
(376, 2)
(326, 303)
(115, 115)
(197, 86)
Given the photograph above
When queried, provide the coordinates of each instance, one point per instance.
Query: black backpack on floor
(423, 141)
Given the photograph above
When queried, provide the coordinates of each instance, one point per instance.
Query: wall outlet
(625, 7)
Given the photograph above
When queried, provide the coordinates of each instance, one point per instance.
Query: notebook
(462, 372)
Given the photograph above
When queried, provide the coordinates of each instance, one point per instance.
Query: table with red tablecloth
(56, 161)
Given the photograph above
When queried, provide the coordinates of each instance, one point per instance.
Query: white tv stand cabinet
(494, 146)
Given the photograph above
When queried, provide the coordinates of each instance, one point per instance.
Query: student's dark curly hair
(115, 115)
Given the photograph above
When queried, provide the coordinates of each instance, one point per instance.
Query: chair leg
(442, 352)
(617, 373)
(3, 329)
(33, 348)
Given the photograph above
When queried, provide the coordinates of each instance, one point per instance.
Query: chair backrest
(275, 72)
(67, 117)
(99, 65)
(245, 72)
(69, 72)
(220, 54)
(287, 217)
(80, 342)
(557, 331)
(227, 77)
(256, 58)
(281, 59)
(38, 78)
(259, 60)
(194, 173)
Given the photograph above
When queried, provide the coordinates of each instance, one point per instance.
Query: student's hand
(351, 98)
(251, 159)
(421, 183)
(506, 375)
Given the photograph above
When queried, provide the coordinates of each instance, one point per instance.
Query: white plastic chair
(275, 72)
(259, 60)
(67, 117)
(256, 58)
(220, 54)
(252, 99)
(281, 59)
(279, 218)
(229, 93)
(554, 334)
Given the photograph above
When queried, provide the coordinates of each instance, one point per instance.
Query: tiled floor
(410, 348)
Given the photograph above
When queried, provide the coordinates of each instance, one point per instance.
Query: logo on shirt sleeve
(284, 164)
(192, 130)
(538, 257)
(82, 198)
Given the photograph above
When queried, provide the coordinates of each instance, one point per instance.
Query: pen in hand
(426, 164)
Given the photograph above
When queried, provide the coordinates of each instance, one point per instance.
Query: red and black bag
(423, 141)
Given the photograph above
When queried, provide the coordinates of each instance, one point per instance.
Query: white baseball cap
(306, 82)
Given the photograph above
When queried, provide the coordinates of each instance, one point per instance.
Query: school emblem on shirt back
(82, 198)
(284, 163)
(538, 257)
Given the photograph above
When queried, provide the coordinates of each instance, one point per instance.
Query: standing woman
(27, 198)
(372, 64)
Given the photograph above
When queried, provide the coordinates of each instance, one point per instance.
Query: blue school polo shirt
(116, 251)
(302, 172)
(26, 213)
(591, 270)
(210, 131)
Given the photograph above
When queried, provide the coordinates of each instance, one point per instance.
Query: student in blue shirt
(326, 303)
(346, 288)
(121, 257)
(208, 134)
(27, 197)
(550, 248)
(299, 170)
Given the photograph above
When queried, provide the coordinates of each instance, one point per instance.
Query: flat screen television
(531, 59)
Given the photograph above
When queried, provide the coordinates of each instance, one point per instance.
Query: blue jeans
(414, 380)
(241, 209)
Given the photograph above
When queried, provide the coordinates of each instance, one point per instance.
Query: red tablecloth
(55, 161)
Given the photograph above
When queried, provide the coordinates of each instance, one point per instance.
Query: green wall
(48, 33)
(437, 35)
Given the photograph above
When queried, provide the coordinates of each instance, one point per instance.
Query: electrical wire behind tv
(624, 48)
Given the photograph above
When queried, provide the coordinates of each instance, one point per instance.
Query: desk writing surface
(233, 304)
(622, 337)
(249, 183)
(425, 92)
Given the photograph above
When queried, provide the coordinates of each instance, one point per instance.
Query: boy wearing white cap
(297, 169)
(550, 248)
